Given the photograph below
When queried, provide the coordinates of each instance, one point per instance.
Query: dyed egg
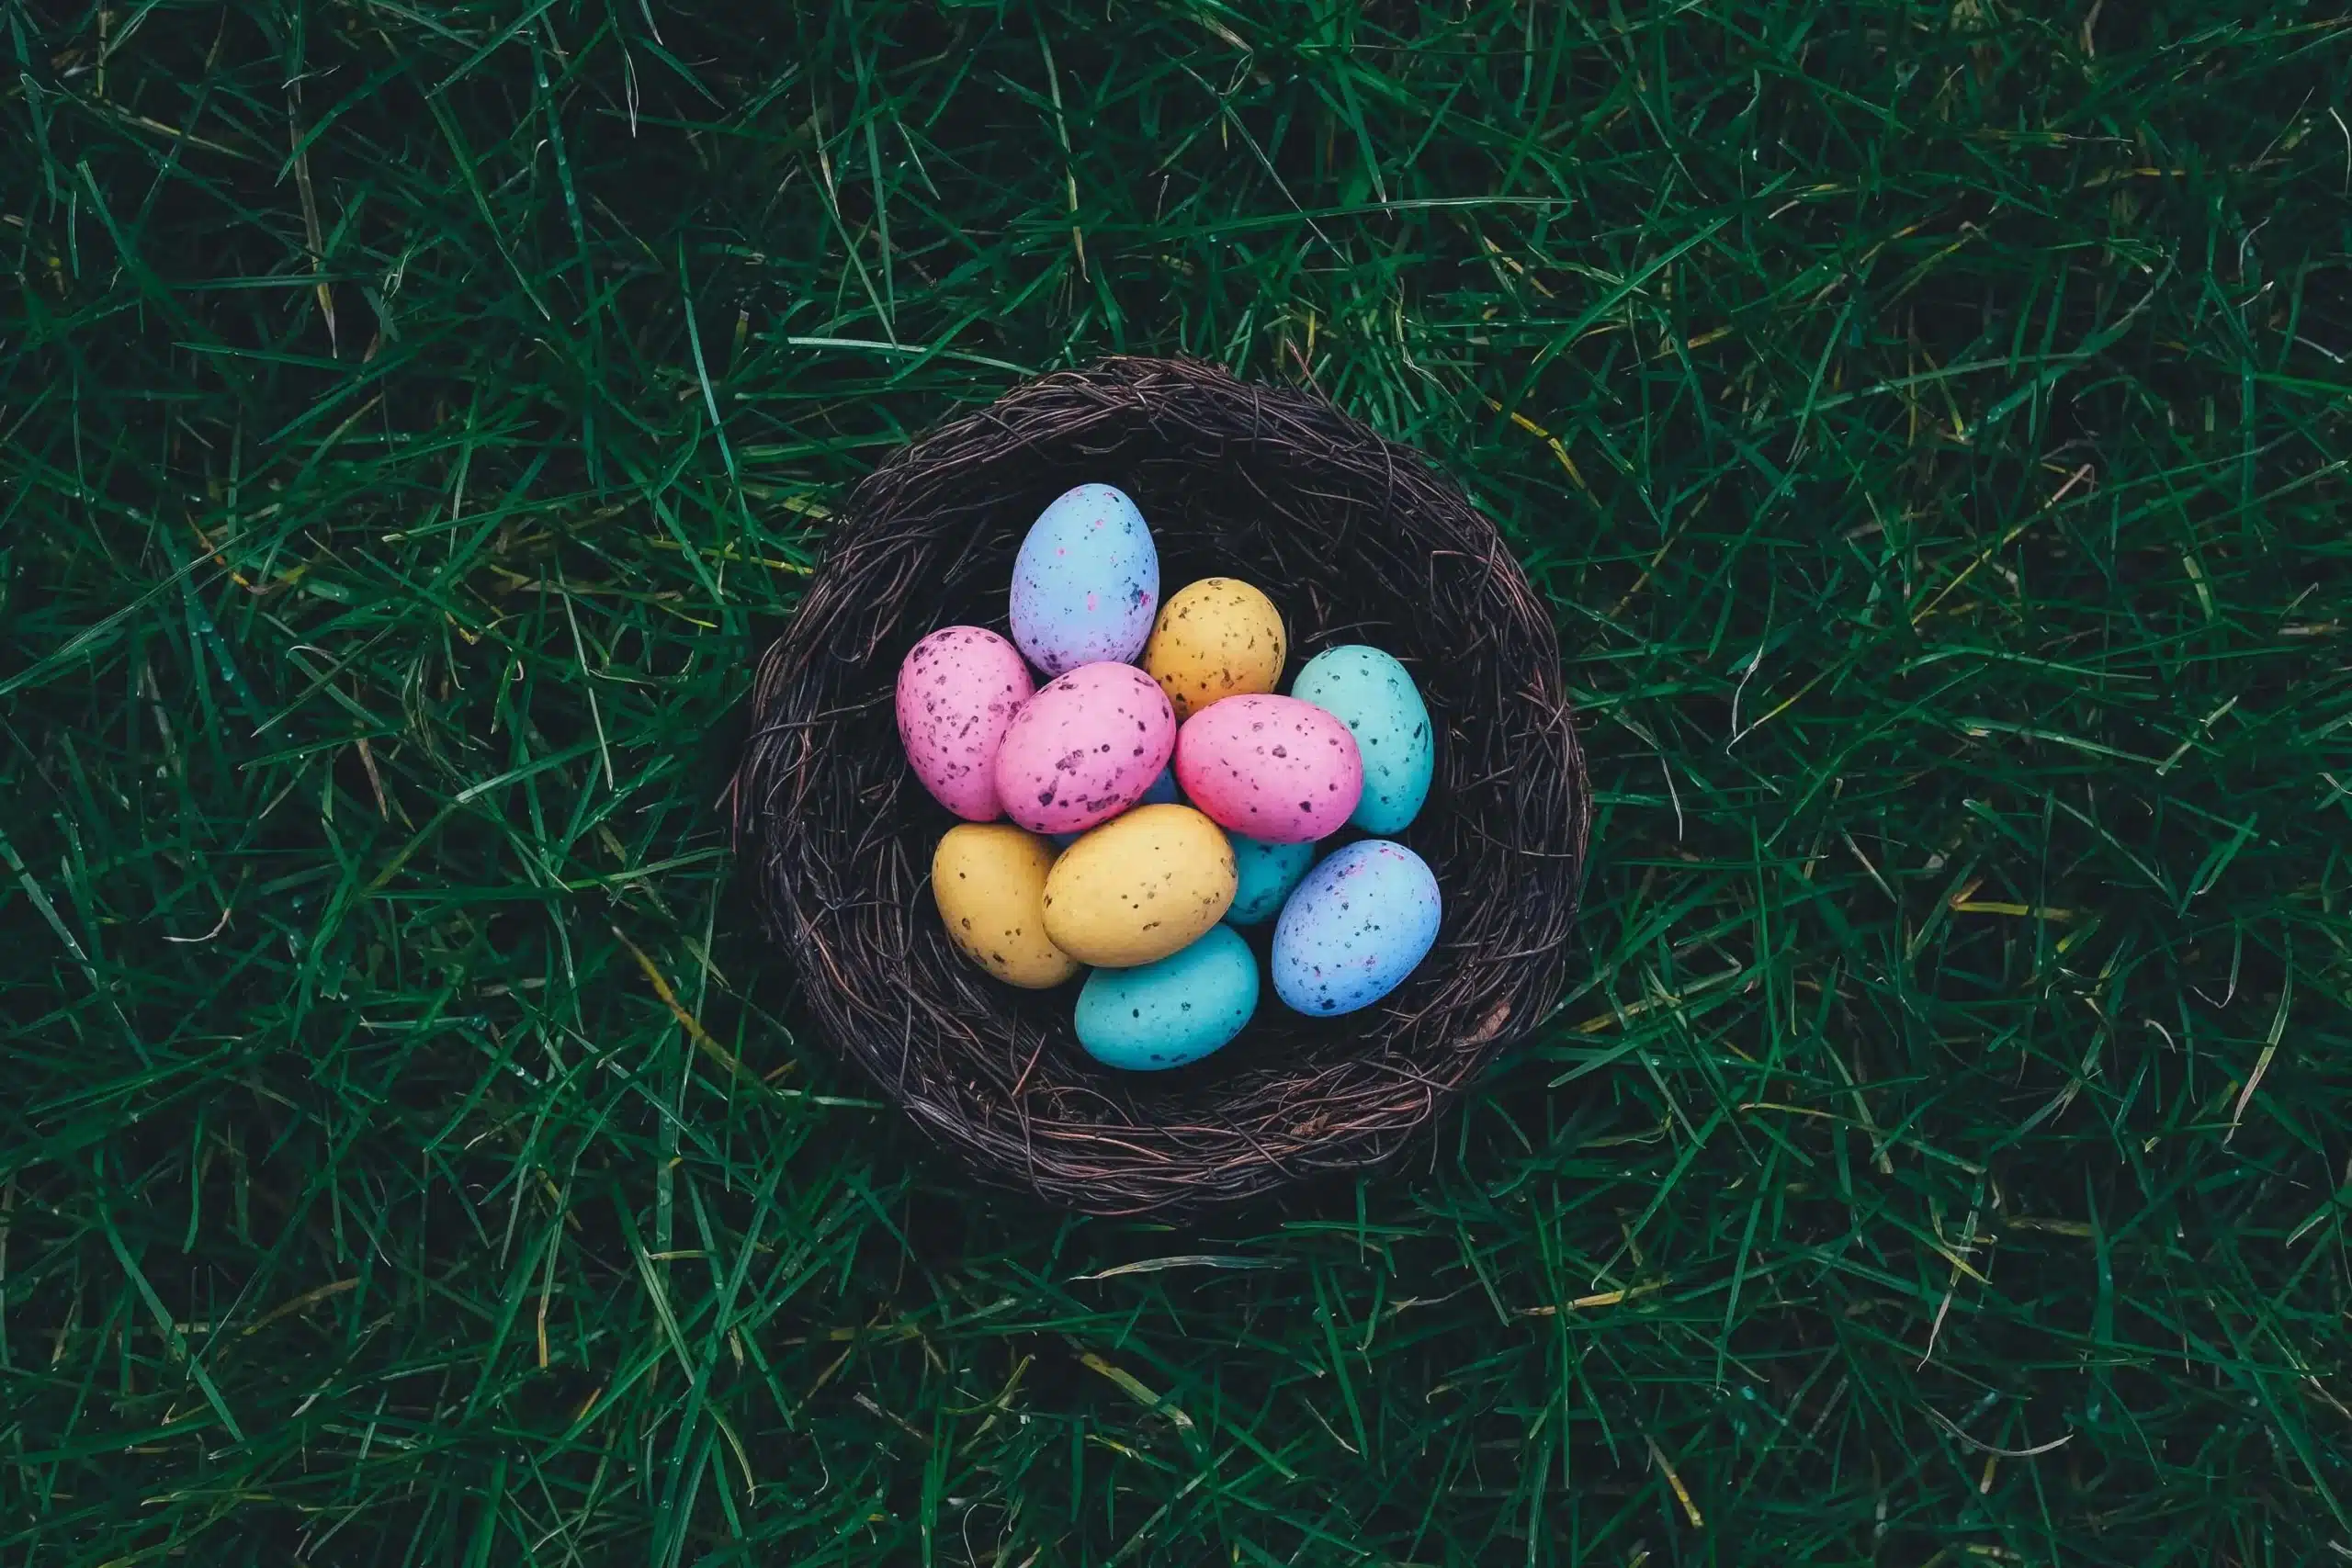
(1161, 793)
(1139, 888)
(1218, 638)
(1375, 696)
(1086, 583)
(1355, 927)
(1274, 768)
(958, 693)
(1264, 873)
(988, 880)
(1174, 1011)
(1163, 790)
(1084, 749)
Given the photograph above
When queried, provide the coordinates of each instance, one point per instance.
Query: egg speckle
(988, 880)
(1172, 1011)
(1084, 749)
(1274, 768)
(1139, 887)
(1355, 928)
(1375, 696)
(1216, 638)
(1086, 581)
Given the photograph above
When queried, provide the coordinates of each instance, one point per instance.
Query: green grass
(1931, 422)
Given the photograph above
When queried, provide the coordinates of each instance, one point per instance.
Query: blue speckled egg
(1268, 872)
(1177, 1010)
(1355, 928)
(1375, 696)
(1161, 791)
(1086, 583)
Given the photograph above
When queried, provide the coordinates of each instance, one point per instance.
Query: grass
(1931, 422)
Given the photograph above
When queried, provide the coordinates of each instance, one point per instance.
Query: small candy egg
(1274, 768)
(1218, 638)
(1140, 887)
(1174, 1011)
(1084, 749)
(1355, 928)
(988, 880)
(958, 693)
(1375, 696)
(1086, 583)
(1264, 875)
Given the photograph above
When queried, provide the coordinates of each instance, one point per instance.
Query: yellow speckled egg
(1218, 638)
(988, 879)
(1139, 887)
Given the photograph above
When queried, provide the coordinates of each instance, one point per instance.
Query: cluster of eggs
(1158, 809)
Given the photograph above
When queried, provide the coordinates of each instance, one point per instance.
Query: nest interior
(1357, 539)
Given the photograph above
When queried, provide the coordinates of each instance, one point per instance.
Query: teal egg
(1375, 696)
(1267, 872)
(1174, 1011)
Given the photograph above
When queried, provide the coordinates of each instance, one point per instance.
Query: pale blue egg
(1355, 927)
(1177, 1010)
(1267, 872)
(1375, 696)
(1086, 583)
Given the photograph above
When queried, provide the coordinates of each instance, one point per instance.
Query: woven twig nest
(1358, 539)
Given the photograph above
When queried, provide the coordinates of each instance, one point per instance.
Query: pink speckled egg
(958, 691)
(1085, 748)
(1274, 768)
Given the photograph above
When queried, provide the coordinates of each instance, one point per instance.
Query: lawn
(1931, 424)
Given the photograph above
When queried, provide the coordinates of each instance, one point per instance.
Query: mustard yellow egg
(1139, 887)
(1218, 638)
(988, 879)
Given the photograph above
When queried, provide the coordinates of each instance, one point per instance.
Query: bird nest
(1358, 539)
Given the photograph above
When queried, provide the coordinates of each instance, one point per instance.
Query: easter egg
(1086, 583)
(1084, 749)
(1172, 1011)
(988, 880)
(958, 693)
(1375, 696)
(1218, 638)
(1274, 768)
(1264, 875)
(1139, 887)
(1355, 927)
(1162, 792)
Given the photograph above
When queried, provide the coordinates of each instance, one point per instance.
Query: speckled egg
(1171, 1012)
(1355, 928)
(958, 693)
(1375, 696)
(1086, 583)
(1161, 793)
(1214, 638)
(1140, 887)
(1274, 768)
(1264, 875)
(988, 880)
(1084, 749)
